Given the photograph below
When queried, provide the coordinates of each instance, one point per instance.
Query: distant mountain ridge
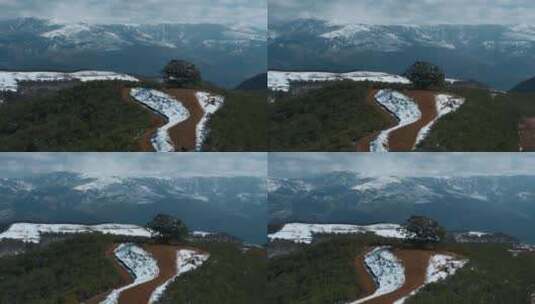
(235, 205)
(480, 203)
(226, 54)
(500, 55)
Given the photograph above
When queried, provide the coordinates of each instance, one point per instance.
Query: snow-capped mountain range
(40, 42)
(459, 49)
(482, 203)
(235, 205)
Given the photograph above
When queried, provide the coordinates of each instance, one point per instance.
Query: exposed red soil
(415, 263)
(403, 139)
(184, 135)
(126, 278)
(157, 121)
(363, 144)
(526, 131)
(366, 282)
(166, 258)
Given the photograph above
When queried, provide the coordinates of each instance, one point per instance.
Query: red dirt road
(403, 139)
(184, 134)
(415, 263)
(363, 144)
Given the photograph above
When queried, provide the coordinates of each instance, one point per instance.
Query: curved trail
(166, 261)
(181, 118)
(432, 106)
(421, 267)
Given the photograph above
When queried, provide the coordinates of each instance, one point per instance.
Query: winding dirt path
(363, 144)
(184, 134)
(415, 263)
(166, 258)
(157, 121)
(403, 139)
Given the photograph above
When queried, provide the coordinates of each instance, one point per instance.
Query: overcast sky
(406, 11)
(402, 164)
(135, 164)
(250, 12)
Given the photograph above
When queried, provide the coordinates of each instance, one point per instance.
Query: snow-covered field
(187, 260)
(387, 271)
(280, 80)
(445, 104)
(31, 233)
(210, 104)
(9, 80)
(167, 106)
(439, 268)
(304, 233)
(139, 263)
(401, 106)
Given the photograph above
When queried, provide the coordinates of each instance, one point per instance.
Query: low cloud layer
(402, 164)
(406, 11)
(249, 12)
(135, 164)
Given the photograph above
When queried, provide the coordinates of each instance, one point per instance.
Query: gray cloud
(402, 164)
(135, 164)
(406, 11)
(249, 12)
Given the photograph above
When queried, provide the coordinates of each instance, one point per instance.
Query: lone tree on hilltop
(425, 75)
(425, 230)
(181, 73)
(169, 228)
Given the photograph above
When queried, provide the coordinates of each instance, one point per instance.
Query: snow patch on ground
(445, 104)
(387, 271)
(139, 263)
(187, 260)
(280, 81)
(210, 104)
(401, 106)
(304, 233)
(31, 233)
(167, 106)
(439, 268)
(9, 80)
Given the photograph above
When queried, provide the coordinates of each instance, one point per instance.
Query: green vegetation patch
(88, 117)
(65, 272)
(317, 274)
(331, 118)
(486, 122)
(493, 275)
(229, 276)
(240, 125)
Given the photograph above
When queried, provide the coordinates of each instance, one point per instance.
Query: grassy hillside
(65, 272)
(318, 274)
(229, 276)
(325, 273)
(240, 125)
(88, 117)
(326, 119)
(493, 275)
(486, 122)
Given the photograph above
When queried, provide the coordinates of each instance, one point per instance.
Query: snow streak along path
(167, 106)
(210, 104)
(187, 260)
(445, 104)
(402, 107)
(139, 263)
(387, 271)
(439, 268)
(9, 80)
(281, 80)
